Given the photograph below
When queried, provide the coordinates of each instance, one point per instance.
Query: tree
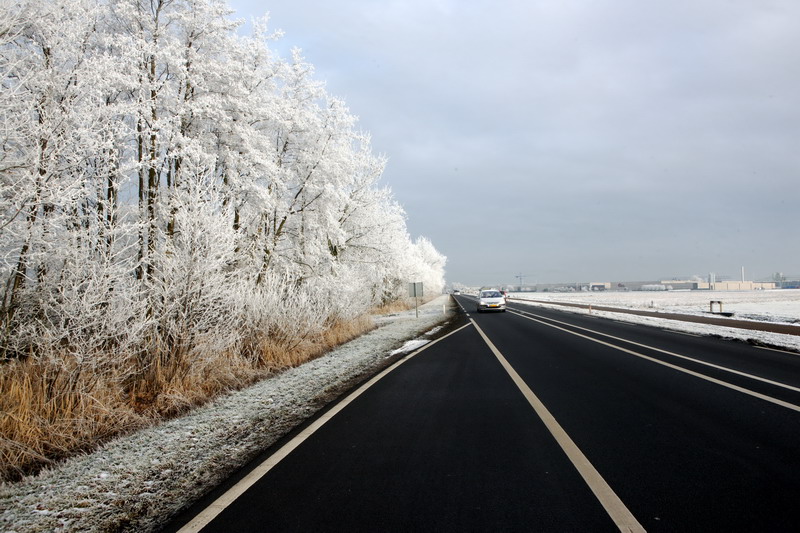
(159, 171)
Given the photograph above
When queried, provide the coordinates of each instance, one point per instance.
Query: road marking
(613, 505)
(737, 388)
(685, 357)
(217, 506)
(685, 333)
(775, 350)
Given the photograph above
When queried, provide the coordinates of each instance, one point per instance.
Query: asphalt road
(538, 420)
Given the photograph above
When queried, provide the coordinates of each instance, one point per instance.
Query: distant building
(656, 287)
(714, 283)
(734, 285)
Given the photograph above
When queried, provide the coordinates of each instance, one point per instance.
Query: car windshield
(490, 294)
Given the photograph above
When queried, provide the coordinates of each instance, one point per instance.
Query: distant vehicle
(456, 291)
(491, 300)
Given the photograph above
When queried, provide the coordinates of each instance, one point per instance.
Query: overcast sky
(566, 140)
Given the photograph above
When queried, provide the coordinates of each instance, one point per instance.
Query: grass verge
(55, 405)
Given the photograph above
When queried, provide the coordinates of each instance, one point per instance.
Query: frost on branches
(173, 193)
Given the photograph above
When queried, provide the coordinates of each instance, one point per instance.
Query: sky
(569, 140)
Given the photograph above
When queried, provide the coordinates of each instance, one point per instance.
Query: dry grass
(294, 351)
(52, 410)
(54, 407)
(397, 306)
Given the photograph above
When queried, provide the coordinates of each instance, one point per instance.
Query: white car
(491, 300)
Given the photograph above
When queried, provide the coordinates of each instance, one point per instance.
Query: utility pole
(520, 277)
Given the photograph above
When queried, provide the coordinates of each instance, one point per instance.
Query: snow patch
(410, 346)
(435, 330)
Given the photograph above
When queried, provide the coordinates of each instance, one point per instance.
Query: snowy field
(779, 306)
(769, 306)
(137, 482)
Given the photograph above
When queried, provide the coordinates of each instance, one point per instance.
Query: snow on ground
(410, 346)
(137, 482)
(771, 306)
(780, 305)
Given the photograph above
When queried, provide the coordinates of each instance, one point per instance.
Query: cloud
(597, 128)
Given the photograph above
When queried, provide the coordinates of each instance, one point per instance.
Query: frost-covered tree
(59, 138)
(161, 177)
(179, 206)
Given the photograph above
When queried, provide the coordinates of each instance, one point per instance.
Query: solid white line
(216, 507)
(737, 388)
(685, 357)
(685, 333)
(613, 505)
(776, 350)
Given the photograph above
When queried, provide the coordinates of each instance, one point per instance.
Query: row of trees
(170, 189)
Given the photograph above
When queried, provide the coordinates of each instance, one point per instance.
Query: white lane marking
(613, 505)
(685, 357)
(209, 513)
(776, 350)
(737, 388)
(685, 333)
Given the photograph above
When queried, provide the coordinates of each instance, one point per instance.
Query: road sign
(415, 290)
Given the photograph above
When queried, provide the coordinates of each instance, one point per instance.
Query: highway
(540, 420)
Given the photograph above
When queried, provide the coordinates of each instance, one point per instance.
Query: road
(540, 420)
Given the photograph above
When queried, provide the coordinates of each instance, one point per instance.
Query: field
(769, 306)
